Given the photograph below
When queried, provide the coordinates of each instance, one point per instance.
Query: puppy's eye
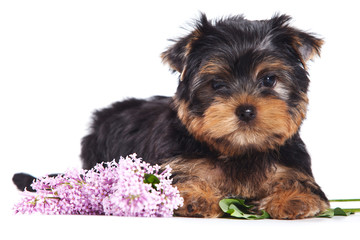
(268, 81)
(218, 84)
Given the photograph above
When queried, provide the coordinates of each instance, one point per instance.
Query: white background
(61, 60)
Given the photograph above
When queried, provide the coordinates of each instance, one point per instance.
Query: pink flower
(130, 187)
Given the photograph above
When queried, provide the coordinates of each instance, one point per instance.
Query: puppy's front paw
(293, 205)
(199, 207)
(200, 200)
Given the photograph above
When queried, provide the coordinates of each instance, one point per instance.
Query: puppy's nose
(246, 113)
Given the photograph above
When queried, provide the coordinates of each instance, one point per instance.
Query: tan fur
(204, 170)
(271, 64)
(200, 200)
(196, 184)
(203, 184)
(220, 121)
(213, 67)
(284, 192)
(290, 197)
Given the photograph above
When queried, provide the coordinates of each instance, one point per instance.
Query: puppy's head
(243, 83)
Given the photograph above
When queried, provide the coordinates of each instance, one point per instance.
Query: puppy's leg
(200, 199)
(292, 195)
(198, 181)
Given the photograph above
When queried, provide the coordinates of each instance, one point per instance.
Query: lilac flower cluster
(130, 187)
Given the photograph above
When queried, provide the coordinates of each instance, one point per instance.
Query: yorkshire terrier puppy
(232, 128)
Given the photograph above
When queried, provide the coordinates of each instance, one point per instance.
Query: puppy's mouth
(243, 123)
(233, 125)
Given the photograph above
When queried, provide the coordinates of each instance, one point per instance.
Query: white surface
(61, 60)
(100, 227)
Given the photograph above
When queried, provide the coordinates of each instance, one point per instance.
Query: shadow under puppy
(232, 128)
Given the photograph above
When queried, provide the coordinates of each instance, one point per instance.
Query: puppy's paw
(200, 200)
(293, 205)
(199, 207)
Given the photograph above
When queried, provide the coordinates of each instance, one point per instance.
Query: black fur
(23, 181)
(151, 128)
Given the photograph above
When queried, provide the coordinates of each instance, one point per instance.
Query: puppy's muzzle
(246, 113)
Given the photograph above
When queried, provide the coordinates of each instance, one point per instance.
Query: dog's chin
(249, 138)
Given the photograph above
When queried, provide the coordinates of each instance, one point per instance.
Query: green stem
(53, 198)
(351, 209)
(344, 200)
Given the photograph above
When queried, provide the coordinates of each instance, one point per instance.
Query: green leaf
(236, 212)
(331, 212)
(327, 214)
(152, 179)
(224, 205)
(341, 212)
(238, 209)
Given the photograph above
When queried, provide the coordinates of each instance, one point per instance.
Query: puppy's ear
(177, 54)
(304, 45)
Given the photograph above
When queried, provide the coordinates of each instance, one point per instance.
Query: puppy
(232, 128)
